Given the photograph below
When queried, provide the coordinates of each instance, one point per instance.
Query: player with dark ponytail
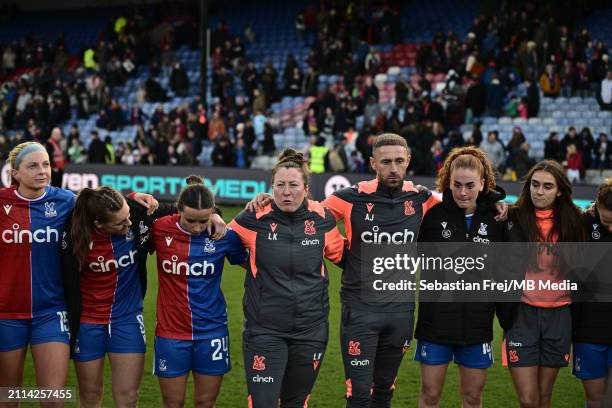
(191, 332)
(104, 256)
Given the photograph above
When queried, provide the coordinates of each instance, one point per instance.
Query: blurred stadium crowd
(527, 82)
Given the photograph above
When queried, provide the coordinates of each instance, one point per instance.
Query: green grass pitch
(329, 390)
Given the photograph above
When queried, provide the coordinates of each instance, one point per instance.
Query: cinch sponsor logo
(107, 266)
(376, 237)
(515, 344)
(308, 242)
(184, 268)
(259, 379)
(360, 363)
(481, 240)
(19, 236)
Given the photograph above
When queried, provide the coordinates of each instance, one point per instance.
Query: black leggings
(373, 345)
(281, 366)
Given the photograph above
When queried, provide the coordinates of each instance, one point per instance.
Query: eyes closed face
(544, 190)
(605, 216)
(465, 184)
(195, 221)
(118, 222)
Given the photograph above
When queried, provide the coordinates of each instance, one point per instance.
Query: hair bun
(193, 179)
(290, 155)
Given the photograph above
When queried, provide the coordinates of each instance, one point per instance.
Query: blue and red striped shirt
(110, 280)
(190, 304)
(31, 232)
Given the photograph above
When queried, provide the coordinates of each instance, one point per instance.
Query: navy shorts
(124, 336)
(18, 333)
(175, 358)
(472, 356)
(592, 361)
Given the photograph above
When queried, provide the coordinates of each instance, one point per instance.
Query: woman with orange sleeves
(538, 343)
(286, 303)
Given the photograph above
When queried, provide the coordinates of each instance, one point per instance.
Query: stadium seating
(274, 25)
(556, 115)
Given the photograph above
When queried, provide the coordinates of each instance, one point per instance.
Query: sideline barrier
(230, 185)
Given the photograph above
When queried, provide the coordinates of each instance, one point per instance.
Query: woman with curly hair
(458, 331)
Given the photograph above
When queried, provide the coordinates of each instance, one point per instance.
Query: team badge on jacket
(446, 233)
(408, 208)
(309, 227)
(483, 229)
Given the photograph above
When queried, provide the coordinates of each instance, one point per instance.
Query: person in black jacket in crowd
(459, 331)
(533, 98)
(96, 152)
(603, 152)
(592, 331)
(552, 147)
(223, 154)
(179, 82)
(104, 253)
